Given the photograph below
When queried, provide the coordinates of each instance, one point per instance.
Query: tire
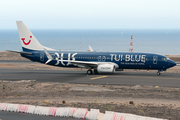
(89, 72)
(158, 73)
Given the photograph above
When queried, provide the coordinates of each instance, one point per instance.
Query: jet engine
(106, 68)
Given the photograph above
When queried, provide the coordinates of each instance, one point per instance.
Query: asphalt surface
(72, 76)
(23, 116)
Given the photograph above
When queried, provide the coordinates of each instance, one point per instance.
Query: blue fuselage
(124, 60)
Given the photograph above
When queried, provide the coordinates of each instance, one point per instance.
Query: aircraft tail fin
(90, 49)
(28, 41)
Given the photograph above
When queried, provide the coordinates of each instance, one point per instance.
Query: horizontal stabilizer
(26, 53)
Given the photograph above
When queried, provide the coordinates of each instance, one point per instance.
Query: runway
(23, 116)
(80, 76)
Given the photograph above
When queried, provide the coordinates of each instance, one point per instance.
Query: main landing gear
(89, 72)
(95, 71)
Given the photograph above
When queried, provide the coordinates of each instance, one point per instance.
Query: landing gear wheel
(89, 72)
(95, 71)
(158, 73)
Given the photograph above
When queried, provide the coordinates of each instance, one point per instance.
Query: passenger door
(42, 57)
(155, 59)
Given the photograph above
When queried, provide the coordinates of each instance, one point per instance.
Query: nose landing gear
(158, 73)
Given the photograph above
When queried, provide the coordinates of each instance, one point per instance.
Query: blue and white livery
(100, 62)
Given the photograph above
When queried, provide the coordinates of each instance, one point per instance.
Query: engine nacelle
(106, 68)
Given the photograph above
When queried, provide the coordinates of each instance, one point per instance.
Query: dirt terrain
(10, 56)
(153, 101)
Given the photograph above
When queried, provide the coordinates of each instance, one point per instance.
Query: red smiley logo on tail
(25, 42)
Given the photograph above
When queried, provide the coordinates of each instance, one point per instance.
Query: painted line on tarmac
(98, 77)
(146, 77)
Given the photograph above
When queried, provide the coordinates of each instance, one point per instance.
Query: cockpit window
(165, 58)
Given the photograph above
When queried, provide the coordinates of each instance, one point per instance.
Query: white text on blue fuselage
(114, 57)
(128, 58)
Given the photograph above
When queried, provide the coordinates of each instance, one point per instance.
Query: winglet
(48, 56)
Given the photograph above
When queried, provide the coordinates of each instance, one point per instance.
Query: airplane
(97, 62)
(90, 49)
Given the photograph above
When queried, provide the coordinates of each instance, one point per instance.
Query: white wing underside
(88, 64)
(82, 63)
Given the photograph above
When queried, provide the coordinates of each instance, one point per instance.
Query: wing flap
(82, 63)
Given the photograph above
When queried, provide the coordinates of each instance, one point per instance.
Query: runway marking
(98, 77)
(145, 77)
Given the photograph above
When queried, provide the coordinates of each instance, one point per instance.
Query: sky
(91, 14)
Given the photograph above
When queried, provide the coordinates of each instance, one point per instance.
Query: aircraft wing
(83, 63)
(77, 63)
(88, 64)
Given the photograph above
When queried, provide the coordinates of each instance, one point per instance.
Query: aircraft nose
(172, 63)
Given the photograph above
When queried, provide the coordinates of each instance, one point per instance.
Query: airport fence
(81, 113)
